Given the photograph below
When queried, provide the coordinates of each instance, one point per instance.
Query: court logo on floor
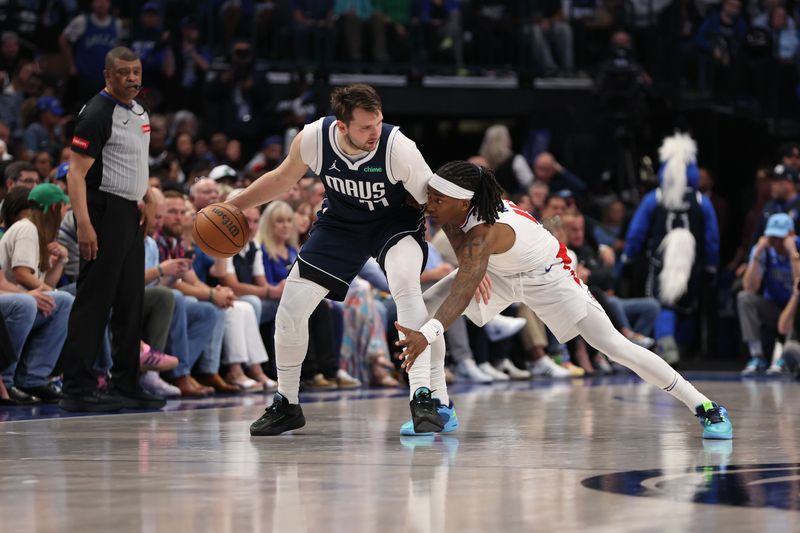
(758, 485)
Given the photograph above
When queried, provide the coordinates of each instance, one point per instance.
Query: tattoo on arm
(455, 236)
(473, 261)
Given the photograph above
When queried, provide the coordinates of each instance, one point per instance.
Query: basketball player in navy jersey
(373, 174)
(526, 264)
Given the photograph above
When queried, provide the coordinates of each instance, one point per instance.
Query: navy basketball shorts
(336, 250)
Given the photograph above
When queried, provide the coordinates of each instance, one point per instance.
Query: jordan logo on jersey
(368, 193)
(333, 167)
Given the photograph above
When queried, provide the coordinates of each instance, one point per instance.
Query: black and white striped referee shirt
(117, 136)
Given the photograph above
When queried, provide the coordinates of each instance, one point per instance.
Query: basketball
(220, 230)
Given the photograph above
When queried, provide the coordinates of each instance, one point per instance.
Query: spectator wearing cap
(36, 270)
(268, 158)
(222, 174)
(772, 271)
(60, 175)
(45, 133)
(783, 189)
(151, 43)
(85, 42)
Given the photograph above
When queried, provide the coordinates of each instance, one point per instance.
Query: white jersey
(534, 247)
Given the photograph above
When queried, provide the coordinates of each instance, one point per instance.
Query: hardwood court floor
(595, 455)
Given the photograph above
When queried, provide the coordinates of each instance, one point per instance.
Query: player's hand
(413, 344)
(484, 291)
(87, 241)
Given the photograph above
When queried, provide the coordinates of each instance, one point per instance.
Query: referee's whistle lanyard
(129, 107)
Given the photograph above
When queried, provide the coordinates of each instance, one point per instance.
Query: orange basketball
(220, 230)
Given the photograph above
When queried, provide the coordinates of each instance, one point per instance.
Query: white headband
(450, 189)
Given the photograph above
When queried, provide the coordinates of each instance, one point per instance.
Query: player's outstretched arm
(473, 259)
(274, 182)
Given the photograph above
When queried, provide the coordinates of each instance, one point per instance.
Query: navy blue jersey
(360, 191)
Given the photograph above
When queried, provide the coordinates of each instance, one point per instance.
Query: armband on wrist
(160, 271)
(431, 330)
(211, 295)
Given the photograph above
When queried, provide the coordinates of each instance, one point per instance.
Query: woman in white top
(525, 264)
(32, 261)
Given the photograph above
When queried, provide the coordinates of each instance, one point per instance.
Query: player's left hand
(484, 291)
(413, 344)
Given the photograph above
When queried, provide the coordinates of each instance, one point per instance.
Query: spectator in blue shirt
(768, 282)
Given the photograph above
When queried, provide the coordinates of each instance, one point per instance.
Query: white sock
(300, 298)
(403, 265)
(438, 383)
(597, 330)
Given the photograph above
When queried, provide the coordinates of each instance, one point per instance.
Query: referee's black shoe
(279, 417)
(139, 399)
(424, 412)
(93, 401)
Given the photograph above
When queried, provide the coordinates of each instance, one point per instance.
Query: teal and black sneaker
(715, 421)
(449, 417)
(424, 412)
(446, 412)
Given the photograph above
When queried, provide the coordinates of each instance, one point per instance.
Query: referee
(108, 175)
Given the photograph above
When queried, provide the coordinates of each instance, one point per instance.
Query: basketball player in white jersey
(526, 264)
(370, 171)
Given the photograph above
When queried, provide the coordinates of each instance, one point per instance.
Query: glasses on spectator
(28, 181)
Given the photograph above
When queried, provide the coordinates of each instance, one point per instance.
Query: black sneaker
(91, 402)
(20, 397)
(279, 417)
(140, 399)
(425, 412)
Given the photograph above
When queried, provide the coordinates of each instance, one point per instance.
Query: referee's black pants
(112, 283)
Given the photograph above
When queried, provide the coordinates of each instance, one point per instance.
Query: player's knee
(290, 329)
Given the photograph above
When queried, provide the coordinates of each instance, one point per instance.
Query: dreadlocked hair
(487, 201)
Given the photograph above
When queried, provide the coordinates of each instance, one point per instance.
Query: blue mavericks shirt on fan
(359, 191)
(777, 281)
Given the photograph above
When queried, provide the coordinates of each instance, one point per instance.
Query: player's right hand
(87, 241)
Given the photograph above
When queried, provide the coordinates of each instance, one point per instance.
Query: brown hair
(344, 100)
(174, 194)
(47, 223)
